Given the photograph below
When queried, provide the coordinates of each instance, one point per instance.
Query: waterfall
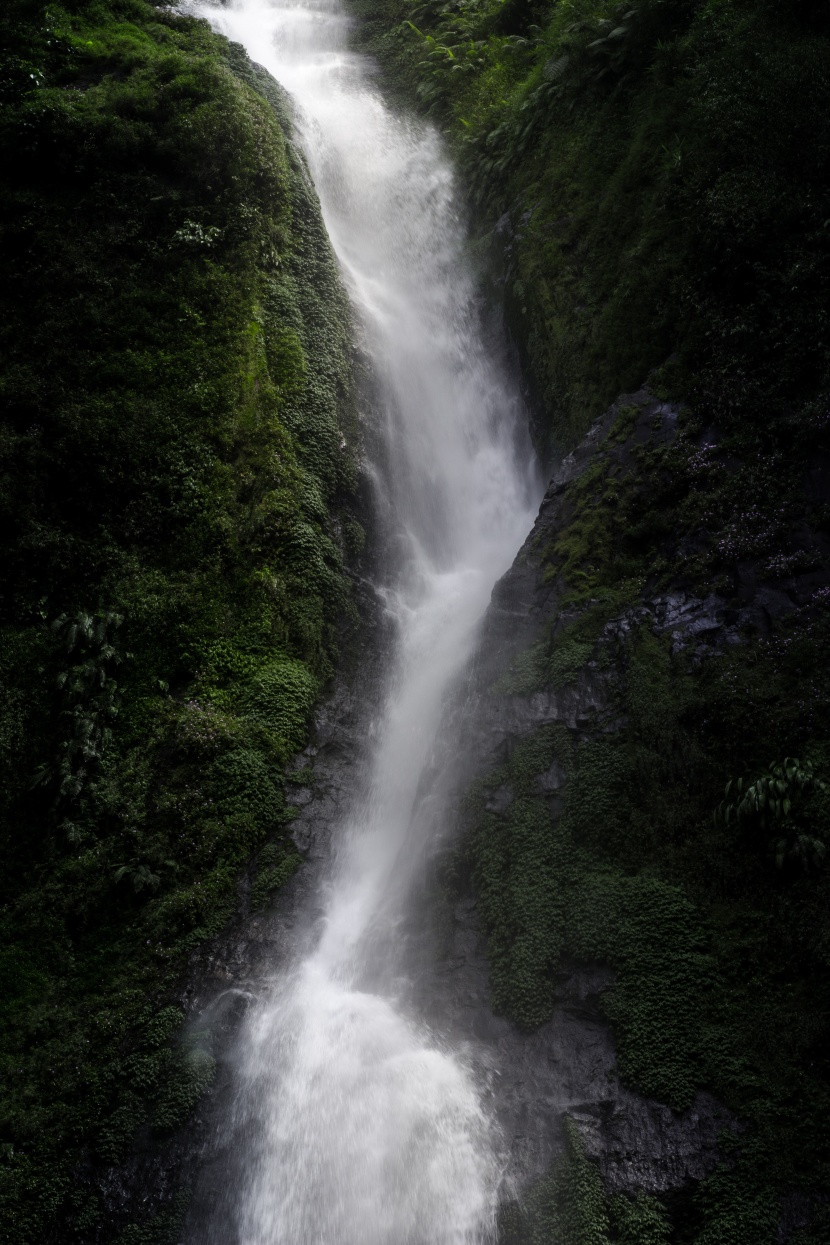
(366, 1128)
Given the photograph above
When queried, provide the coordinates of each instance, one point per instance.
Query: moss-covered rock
(179, 449)
(642, 171)
(644, 689)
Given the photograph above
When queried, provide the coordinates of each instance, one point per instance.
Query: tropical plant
(90, 702)
(775, 801)
(140, 875)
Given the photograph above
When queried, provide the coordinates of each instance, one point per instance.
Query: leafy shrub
(280, 698)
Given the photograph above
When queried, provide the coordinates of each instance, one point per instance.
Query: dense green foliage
(177, 463)
(660, 171)
(177, 458)
(650, 179)
(569, 1207)
(685, 844)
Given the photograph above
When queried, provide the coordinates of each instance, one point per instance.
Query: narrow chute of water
(364, 1127)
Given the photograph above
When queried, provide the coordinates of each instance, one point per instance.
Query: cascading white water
(367, 1129)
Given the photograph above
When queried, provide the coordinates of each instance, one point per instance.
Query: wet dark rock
(567, 1067)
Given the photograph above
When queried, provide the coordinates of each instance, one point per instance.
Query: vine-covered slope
(178, 475)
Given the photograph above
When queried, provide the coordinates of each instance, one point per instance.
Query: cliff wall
(641, 896)
(179, 502)
(633, 916)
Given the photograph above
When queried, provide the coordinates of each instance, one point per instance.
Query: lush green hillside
(670, 821)
(178, 458)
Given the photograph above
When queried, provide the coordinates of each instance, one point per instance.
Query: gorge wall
(179, 505)
(639, 952)
(644, 841)
(631, 913)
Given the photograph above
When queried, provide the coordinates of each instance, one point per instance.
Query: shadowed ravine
(363, 1126)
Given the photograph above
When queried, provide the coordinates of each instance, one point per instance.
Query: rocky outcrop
(566, 1067)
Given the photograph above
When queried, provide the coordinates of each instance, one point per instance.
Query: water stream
(368, 1128)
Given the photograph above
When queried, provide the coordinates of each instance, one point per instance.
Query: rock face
(566, 1067)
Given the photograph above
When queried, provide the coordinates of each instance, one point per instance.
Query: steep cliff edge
(179, 501)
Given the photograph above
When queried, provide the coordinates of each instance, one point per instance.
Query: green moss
(605, 844)
(523, 864)
(178, 458)
(568, 661)
(736, 1212)
(526, 673)
(275, 867)
(568, 1206)
(187, 1078)
(161, 1229)
(643, 226)
(541, 894)
(571, 1207)
(717, 941)
(280, 698)
(641, 1220)
(654, 938)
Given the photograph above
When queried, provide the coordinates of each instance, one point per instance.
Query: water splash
(365, 1128)
(377, 1136)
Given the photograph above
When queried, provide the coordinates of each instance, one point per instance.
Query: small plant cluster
(749, 533)
(776, 802)
(703, 461)
(89, 707)
(703, 892)
(569, 1206)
